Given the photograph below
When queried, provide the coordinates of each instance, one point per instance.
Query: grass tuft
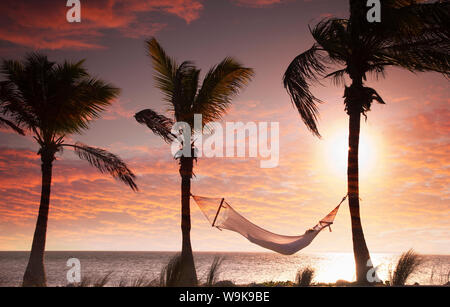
(304, 277)
(171, 273)
(407, 264)
(96, 282)
(213, 273)
(139, 282)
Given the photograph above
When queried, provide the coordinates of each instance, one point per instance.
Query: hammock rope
(221, 215)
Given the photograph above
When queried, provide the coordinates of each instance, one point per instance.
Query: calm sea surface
(241, 268)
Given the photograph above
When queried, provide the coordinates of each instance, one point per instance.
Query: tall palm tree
(411, 35)
(53, 101)
(180, 85)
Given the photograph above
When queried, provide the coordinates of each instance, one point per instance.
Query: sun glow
(336, 266)
(336, 152)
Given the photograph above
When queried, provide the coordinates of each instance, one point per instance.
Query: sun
(336, 152)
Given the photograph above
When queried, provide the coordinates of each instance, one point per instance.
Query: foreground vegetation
(170, 276)
(406, 266)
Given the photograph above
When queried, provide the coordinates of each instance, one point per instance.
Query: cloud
(432, 124)
(43, 25)
(257, 3)
(405, 201)
(118, 109)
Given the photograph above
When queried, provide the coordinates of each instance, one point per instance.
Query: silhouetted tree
(53, 101)
(180, 85)
(411, 35)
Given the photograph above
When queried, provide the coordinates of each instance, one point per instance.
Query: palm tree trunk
(35, 271)
(358, 11)
(189, 275)
(360, 250)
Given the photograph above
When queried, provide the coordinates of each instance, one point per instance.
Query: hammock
(222, 216)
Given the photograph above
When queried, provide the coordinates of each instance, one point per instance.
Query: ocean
(241, 268)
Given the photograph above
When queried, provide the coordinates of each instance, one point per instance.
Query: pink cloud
(118, 110)
(408, 191)
(432, 124)
(257, 3)
(43, 25)
(91, 206)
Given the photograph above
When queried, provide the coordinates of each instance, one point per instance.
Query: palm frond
(413, 20)
(165, 69)
(185, 89)
(305, 68)
(358, 11)
(7, 123)
(220, 85)
(11, 97)
(106, 162)
(94, 97)
(54, 99)
(180, 87)
(159, 124)
(337, 76)
(378, 70)
(76, 98)
(425, 56)
(413, 35)
(334, 37)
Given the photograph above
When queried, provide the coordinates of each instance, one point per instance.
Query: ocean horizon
(242, 268)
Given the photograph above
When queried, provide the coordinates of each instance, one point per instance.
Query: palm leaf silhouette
(105, 162)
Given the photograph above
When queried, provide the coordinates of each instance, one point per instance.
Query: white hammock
(222, 216)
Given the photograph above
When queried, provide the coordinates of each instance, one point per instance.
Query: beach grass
(407, 264)
(95, 282)
(139, 282)
(213, 273)
(304, 277)
(170, 275)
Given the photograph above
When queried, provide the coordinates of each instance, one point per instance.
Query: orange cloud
(43, 25)
(257, 3)
(404, 205)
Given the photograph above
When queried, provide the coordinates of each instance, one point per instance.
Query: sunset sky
(405, 144)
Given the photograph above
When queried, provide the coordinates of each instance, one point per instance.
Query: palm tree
(53, 101)
(411, 35)
(180, 85)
